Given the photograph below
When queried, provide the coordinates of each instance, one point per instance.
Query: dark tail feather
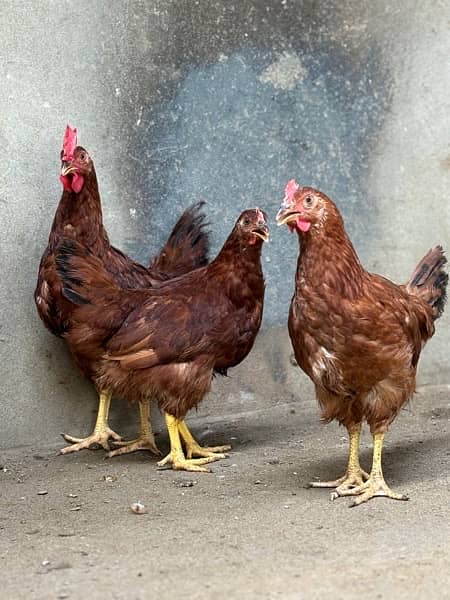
(187, 247)
(429, 280)
(82, 274)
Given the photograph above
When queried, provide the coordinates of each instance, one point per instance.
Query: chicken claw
(180, 463)
(350, 480)
(101, 433)
(140, 443)
(146, 439)
(216, 452)
(193, 448)
(354, 476)
(375, 485)
(176, 457)
(97, 438)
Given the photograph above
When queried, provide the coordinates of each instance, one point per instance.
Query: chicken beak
(262, 231)
(67, 169)
(284, 216)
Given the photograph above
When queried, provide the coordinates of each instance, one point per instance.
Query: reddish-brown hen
(167, 342)
(79, 216)
(357, 335)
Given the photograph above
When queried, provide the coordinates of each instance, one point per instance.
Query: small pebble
(138, 508)
(184, 483)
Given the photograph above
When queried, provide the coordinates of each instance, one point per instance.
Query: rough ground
(250, 529)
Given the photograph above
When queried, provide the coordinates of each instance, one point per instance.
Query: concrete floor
(249, 529)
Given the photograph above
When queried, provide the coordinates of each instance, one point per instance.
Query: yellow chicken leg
(193, 448)
(375, 485)
(145, 440)
(176, 456)
(354, 475)
(101, 433)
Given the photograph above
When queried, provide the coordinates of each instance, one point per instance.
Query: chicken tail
(429, 280)
(187, 247)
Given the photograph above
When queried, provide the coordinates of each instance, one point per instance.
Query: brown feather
(357, 335)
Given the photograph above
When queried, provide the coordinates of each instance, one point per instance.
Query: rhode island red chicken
(79, 216)
(357, 335)
(166, 342)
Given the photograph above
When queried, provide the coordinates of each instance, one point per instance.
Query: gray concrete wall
(225, 101)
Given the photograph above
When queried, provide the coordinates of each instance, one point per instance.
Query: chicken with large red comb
(79, 216)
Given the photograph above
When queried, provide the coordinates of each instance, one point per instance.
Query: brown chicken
(357, 335)
(167, 342)
(79, 216)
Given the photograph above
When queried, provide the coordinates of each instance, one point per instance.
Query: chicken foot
(101, 433)
(193, 448)
(354, 476)
(375, 485)
(145, 440)
(176, 456)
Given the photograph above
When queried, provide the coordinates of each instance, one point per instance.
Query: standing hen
(357, 335)
(79, 216)
(166, 342)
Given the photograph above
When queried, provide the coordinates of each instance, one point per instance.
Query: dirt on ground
(249, 529)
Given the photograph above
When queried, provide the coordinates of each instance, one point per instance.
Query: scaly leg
(193, 448)
(176, 456)
(101, 433)
(375, 485)
(354, 475)
(146, 439)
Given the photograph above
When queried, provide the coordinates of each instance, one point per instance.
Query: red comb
(260, 214)
(290, 190)
(69, 143)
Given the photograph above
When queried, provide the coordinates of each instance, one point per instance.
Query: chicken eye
(245, 221)
(308, 201)
(82, 156)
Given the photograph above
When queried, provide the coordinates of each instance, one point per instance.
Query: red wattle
(66, 183)
(303, 225)
(77, 182)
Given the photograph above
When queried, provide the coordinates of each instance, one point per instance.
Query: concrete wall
(225, 101)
